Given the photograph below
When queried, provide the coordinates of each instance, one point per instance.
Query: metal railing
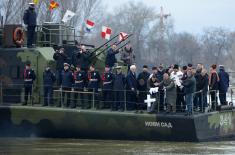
(65, 33)
(93, 99)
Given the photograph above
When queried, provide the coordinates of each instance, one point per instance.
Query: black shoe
(58, 106)
(151, 112)
(73, 107)
(30, 46)
(121, 110)
(44, 105)
(24, 104)
(188, 114)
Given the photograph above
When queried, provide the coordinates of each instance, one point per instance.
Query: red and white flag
(122, 36)
(106, 32)
(89, 25)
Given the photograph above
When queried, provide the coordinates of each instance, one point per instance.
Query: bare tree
(215, 41)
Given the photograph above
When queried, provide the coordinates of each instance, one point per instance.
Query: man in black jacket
(79, 84)
(29, 78)
(110, 59)
(84, 58)
(131, 87)
(67, 82)
(119, 89)
(223, 84)
(60, 57)
(30, 19)
(142, 86)
(48, 81)
(199, 87)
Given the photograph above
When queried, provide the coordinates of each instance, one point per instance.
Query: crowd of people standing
(179, 89)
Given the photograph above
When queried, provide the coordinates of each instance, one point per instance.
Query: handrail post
(31, 96)
(202, 100)
(125, 108)
(192, 106)
(231, 96)
(158, 102)
(1, 93)
(61, 97)
(93, 99)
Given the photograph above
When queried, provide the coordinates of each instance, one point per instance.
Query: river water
(38, 146)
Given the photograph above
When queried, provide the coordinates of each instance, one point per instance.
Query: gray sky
(191, 15)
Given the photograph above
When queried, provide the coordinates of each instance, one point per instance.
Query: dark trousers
(68, 95)
(30, 35)
(48, 93)
(180, 102)
(119, 101)
(58, 77)
(155, 106)
(142, 97)
(81, 97)
(27, 92)
(198, 100)
(161, 100)
(222, 97)
(204, 100)
(131, 100)
(107, 98)
(214, 102)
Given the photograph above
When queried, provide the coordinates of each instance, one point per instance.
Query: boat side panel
(43, 122)
(217, 125)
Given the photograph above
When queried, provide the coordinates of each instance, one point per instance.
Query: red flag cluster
(106, 31)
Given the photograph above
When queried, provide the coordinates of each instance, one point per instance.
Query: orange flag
(53, 5)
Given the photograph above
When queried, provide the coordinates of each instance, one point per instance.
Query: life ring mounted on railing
(18, 36)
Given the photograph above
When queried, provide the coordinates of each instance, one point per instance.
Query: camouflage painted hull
(20, 121)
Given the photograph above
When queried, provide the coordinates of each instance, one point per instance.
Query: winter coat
(119, 82)
(199, 81)
(205, 83)
(224, 81)
(30, 17)
(84, 60)
(67, 79)
(110, 58)
(94, 80)
(171, 92)
(48, 78)
(79, 79)
(189, 85)
(214, 81)
(160, 74)
(128, 56)
(131, 81)
(29, 77)
(60, 59)
(142, 81)
(107, 79)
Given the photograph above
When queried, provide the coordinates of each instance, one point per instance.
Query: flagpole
(111, 45)
(123, 45)
(104, 44)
